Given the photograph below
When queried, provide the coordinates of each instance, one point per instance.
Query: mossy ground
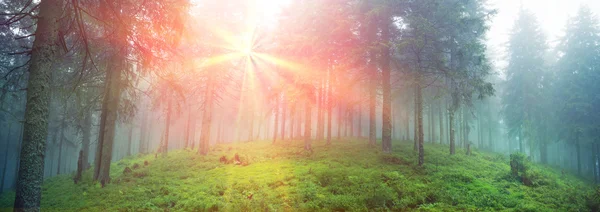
(346, 176)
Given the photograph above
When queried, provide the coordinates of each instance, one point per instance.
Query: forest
(298, 105)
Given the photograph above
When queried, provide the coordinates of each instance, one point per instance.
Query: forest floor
(346, 176)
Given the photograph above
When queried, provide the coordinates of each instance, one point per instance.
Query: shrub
(593, 200)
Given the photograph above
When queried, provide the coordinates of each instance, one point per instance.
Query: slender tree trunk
(578, 152)
(319, 136)
(165, 148)
(307, 127)
(130, 134)
(372, 103)
(85, 143)
(521, 140)
(329, 105)
(219, 136)
(44, 52)
(187, 130)
(206, 119)
(276, 124)
(4, 167)
(416, 120)
(490, 126)
(406, 124)
(360, 129)
(108, 116)
(386, 125)
(283, 112)
(452, 130)
(292, 120)
(143, 145)
(298, 123)
(420, 121)
(60, 147)
(594, 156)
(441, 122)
(339, 121)
(251, 120)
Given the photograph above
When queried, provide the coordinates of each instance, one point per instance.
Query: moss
(342, 177)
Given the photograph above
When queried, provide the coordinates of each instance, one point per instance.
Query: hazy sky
(551, 14)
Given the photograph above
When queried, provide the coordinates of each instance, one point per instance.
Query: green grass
(346, 176)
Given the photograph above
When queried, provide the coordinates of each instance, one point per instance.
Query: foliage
(341, 177)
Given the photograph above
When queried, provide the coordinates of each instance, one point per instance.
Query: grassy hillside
(344, 176)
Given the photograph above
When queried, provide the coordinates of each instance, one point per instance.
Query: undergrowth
(345, 176)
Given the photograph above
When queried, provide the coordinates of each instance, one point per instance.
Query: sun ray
(279, 61)
(216, 60)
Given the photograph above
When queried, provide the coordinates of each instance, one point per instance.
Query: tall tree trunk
(4, 167)
(359, 113)
(60, 146)
(416, 120)
(451, 129)
(307, 127)
(283, 112)
(372, 102)
(143, 145)
(220, 128)
(386, 131)
(329, 105)
(339, 121)
(44, 52)
(441, 122)
(521, 140)
(108, 117)
(420, 121)
(490, 126)
(319, 137)
(578, 152)
(130, 134)
(165, 148)
(406, 124)
(186, 139)
(206, 119)
(544, 149)
(85, 143)
(251, 120)
(276, 124)
(298, 123)
(292, 120)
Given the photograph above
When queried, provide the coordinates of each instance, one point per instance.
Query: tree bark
(44, 52)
